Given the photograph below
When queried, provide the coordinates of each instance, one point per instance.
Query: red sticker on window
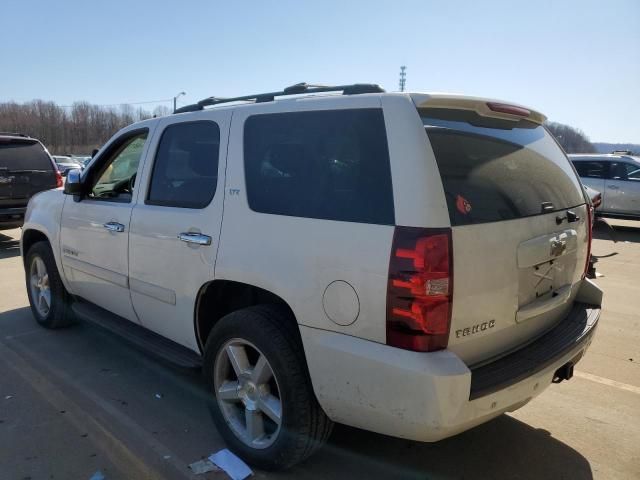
(462, 204)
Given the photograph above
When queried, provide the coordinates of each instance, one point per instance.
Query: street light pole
(175, 99)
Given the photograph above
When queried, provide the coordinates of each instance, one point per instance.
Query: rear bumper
(572, 333)
(431, 396)
(12, 217)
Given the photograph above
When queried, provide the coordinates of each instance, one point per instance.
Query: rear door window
(589, 169)
(185, 171)
(494, 170)
(24, 155)
(331, 164)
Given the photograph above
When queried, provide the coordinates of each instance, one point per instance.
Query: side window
(590, 169)
(185, 171)
(624, 171)
(116, 179)
(633, 172)
(321, 164)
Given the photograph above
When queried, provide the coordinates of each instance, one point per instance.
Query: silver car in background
(617, 177)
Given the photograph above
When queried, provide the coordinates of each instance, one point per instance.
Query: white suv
(409, 264)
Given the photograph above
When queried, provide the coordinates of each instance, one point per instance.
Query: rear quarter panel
(298, 258)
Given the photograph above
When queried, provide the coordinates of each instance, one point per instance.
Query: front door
(175, 225)
(623, 188)
(95, 227)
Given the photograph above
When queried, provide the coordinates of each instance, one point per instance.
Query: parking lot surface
(79, 400)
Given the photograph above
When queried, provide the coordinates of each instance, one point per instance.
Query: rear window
(21, 155)
(330, 164)
(494, 170)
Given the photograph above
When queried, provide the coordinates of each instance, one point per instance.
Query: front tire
(264, 404)
(49, 300)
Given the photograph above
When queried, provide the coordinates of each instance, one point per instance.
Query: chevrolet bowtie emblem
(558, 247)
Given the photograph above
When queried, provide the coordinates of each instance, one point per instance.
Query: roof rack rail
(14, 134)
(297, 89)
(622, 152)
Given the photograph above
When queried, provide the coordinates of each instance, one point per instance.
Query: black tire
(59, 314)
(304, 425)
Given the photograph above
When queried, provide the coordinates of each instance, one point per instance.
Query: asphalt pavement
(80, 400)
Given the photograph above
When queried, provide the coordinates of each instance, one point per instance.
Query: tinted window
(324, 164)
(117, 178)
(590, 169)
(495, 170)
(624, 171)
(185, 171)
(21, 155)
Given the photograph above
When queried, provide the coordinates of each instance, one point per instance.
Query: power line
(124, 103)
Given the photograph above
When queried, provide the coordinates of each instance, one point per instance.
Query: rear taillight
(419, 290)
(58, 179)
(589, 226)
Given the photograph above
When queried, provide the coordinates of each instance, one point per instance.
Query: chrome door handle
(197, 238)
(114, 226)
(614, 187)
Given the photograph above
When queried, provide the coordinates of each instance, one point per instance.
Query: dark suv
(26, 168)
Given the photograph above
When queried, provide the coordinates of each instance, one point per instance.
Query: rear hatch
(25, 169)
(519, 226)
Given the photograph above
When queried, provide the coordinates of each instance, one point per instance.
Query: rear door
(592, 174)
(25, 169)
(519, 228)
(623, 188)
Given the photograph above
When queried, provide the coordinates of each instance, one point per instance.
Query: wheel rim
(247, 393)
(40, 289)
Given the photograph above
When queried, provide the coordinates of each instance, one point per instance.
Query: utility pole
(403, 77)
(175, 100)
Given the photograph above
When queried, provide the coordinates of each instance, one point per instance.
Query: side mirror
(73, 185)
(93, 153)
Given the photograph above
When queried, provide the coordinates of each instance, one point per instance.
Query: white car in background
(617, 177)
(65, 164)
(410, 264)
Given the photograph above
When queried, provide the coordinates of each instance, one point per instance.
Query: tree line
(70, 130)
(83, 126)
(571, 139)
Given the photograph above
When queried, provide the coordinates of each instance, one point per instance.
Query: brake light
(419, 289)
(589, 238)
(511, 109)
(58, 179)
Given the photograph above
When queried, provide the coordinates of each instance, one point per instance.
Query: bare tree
(571, 139)
(77, 129)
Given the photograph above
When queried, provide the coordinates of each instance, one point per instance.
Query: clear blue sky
(577, 61)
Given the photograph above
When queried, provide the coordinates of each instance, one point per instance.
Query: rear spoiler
(482, 106)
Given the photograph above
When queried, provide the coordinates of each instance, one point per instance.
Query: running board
(138, 335)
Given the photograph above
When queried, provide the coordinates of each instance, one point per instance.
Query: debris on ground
(203, 466)
(158, 395)
(97, 476)
(231, 464)
(8, 397)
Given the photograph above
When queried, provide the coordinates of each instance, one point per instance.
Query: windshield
(494, 170)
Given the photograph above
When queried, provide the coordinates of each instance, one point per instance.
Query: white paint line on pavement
(608, 382)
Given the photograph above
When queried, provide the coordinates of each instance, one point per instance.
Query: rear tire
(253, 341)
(49, 300)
